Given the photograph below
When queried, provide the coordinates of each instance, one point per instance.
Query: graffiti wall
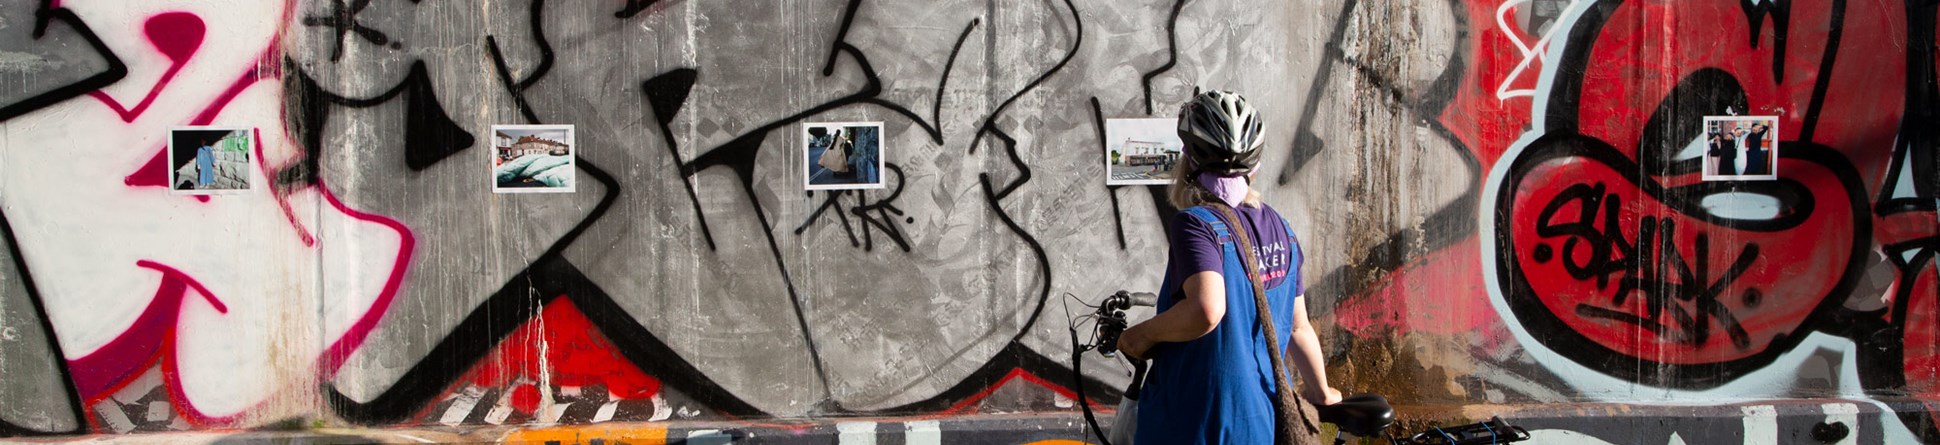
(1501, 202)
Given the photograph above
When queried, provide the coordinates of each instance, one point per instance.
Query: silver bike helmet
(1221, 132)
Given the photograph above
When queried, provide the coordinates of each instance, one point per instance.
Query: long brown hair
(1185, 191)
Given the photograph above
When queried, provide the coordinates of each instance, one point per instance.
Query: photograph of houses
(533, 159)
(1141, 151)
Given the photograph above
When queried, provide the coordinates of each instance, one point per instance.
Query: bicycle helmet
(1221, 132)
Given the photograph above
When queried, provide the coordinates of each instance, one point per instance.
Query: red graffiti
(1610, 248)
(560, 347)
(1430, 295)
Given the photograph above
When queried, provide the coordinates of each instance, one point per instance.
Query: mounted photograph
(1141, 151)
(842, 155)
(1740, 148)
(533, 159)
(210, 160)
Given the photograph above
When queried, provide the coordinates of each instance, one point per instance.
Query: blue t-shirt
(1217, 389)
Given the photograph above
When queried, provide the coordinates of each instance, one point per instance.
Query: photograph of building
(1141, 151)
(533, 159)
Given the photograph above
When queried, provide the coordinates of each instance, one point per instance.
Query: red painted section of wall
(1441, 293)
(564, 344)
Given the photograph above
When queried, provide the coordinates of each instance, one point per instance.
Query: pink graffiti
(176, 35)
(100, 373)
(151, 339)
(340, 350)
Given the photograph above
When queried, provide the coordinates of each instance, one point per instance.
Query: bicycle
(1362, 415)
(1369, 415)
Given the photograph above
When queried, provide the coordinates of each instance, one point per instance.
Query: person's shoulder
(1185, 217)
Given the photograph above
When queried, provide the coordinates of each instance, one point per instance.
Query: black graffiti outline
(1882, 334)
(546, 56)
(1444, 227)
(1918, 148)
(1161, 203)
(1654, 256)
(431, 136)
(1780, 11)
(73, 397)
(115, 71)
(549, 276)
(1569, 343)
(343, 20)
(739, 155)
(635, 7)
(45, 14)
(1015, 355)
(553, 276)
(882, 220)
(1171, 55)
(1307, 144)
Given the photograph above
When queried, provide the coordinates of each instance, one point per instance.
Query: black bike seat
(1363, 415)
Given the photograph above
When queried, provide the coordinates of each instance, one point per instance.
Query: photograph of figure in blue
(533, 159)
(842, 155)
(209, 160)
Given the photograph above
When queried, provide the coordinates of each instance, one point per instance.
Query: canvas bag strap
(1286, 408)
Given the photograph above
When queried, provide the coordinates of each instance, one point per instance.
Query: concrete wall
(1499, 203)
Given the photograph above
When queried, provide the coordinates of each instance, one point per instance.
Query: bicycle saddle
(1363, 415)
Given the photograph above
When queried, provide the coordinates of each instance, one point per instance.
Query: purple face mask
(1229, 189)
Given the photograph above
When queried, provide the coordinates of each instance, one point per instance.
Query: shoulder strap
(1206, 215)
(1283, 389)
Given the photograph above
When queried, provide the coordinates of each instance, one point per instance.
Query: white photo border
(808, 165)
(248, 132)
(1105, 151)
(1704, 158)
(572, 148)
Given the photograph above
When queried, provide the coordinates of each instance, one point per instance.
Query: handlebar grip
(1147, 299)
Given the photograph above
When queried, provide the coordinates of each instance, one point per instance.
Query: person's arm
(1304, 349)
(1204, 306)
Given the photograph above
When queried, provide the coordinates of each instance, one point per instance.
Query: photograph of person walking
(842, 155)
(1232, 325)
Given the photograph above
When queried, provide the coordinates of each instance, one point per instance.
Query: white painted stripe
(462, 407)
(112, 415)
(1848, 414)
(923, 432)
(855, 433)
(708, 437)
(1761, 424)
(416, 438)
(606, 411)
(660, 409)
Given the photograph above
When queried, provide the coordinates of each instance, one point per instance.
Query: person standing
(1758, 158)
(1213, 372)
(1743, 150)
(205, 165)
(1724, 147)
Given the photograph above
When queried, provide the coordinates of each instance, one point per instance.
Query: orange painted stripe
(631, 435)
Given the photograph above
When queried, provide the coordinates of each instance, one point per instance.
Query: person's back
(1216, 373)
(1215, 388)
